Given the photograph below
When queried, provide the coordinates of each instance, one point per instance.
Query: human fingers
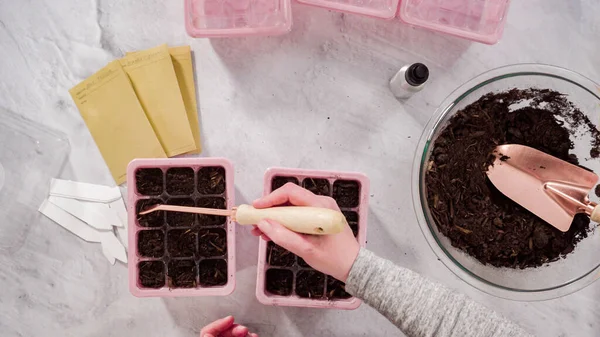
(235, 331)
(256, 231)
(217, 327)
(253, 335)
(292, 241)
(291, 193)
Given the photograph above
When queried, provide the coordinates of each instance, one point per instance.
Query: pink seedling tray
(477, 20)
(231, 18)
(262, 294)
(385, 9)
(134, 227)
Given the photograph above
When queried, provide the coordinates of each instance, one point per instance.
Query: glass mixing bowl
(581, 267)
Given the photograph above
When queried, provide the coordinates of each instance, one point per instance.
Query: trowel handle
(595, 216)
(301, 219)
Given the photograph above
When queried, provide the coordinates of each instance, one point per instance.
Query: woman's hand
(331, 254)
(224, 327)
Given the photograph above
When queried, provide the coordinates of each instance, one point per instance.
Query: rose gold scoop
(549, 187)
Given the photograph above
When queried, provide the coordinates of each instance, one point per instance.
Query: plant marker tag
(84, 191)
(111, 247)
(94, 214)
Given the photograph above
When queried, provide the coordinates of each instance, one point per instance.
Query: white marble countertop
(315, 98)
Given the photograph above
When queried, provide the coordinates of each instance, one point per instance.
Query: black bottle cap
(417, 74)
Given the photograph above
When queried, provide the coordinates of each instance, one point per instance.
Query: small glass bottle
(410, 79)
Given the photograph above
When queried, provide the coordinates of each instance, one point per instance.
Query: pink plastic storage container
(179, 254)
(477, 20)
(351, 191)
(385, 9)
(222, 18)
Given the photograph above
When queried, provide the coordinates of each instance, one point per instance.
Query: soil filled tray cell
(280, 181)
(175, 219)
(182, 274)
(211, 180)
(181, 243)
(149, 181)
(180, 181)
(211, 202)
(151, 243)
(279, 282)
(152, 274)
(286, 279)
(310, 284)
(336, 289)
(213, 273)
(212, 242)
(154, 219)
(180, 254)
(279, 257)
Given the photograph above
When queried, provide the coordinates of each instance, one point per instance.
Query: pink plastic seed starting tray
(288, 267)
(477, 20)
(222, 18)
(385, 9)
(180, 262)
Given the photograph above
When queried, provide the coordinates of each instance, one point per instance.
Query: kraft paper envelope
(116, 120)
(184, 70)
(153, 78)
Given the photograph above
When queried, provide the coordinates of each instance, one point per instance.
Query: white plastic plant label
(84, 191)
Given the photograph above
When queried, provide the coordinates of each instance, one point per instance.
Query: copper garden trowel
(549, 187)
(300, 219)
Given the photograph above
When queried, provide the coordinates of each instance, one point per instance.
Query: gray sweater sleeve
(420, 307)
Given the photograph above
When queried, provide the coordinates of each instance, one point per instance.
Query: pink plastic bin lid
(385, 9)
(477, 20)
(222, 18)
(363, 208)
(133, 228)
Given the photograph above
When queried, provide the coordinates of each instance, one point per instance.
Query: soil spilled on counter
(469, 210)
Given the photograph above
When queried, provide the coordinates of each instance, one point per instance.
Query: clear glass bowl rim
(420, 202)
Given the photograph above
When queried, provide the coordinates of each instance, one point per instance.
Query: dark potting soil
(469, 210)
(352, 219)
(346, 193)
(336, 289)
(182, 274)
(212, 242)
(317, 186)
(154, 219)
(213, 273)
(149, 181)
(279, 256)
(279, 281)
(151, 243)
(180, 219)
(181, 243)
(278, 182)
(152, 274)
(180, 181)
(211, 180)
(211, 202)
(310, 284)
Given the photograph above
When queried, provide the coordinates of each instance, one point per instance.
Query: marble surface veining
(315, 98)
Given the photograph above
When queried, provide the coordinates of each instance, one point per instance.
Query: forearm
(420, 307)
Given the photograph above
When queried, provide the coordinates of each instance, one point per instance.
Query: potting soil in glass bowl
(481, 235)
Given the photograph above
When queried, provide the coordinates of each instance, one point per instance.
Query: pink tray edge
(387, 15)
(349, 304)
(131, 230)
(233, 32)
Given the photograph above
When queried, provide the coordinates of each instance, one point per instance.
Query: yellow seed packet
(116, 120)
(184, 70)
(153, 78)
